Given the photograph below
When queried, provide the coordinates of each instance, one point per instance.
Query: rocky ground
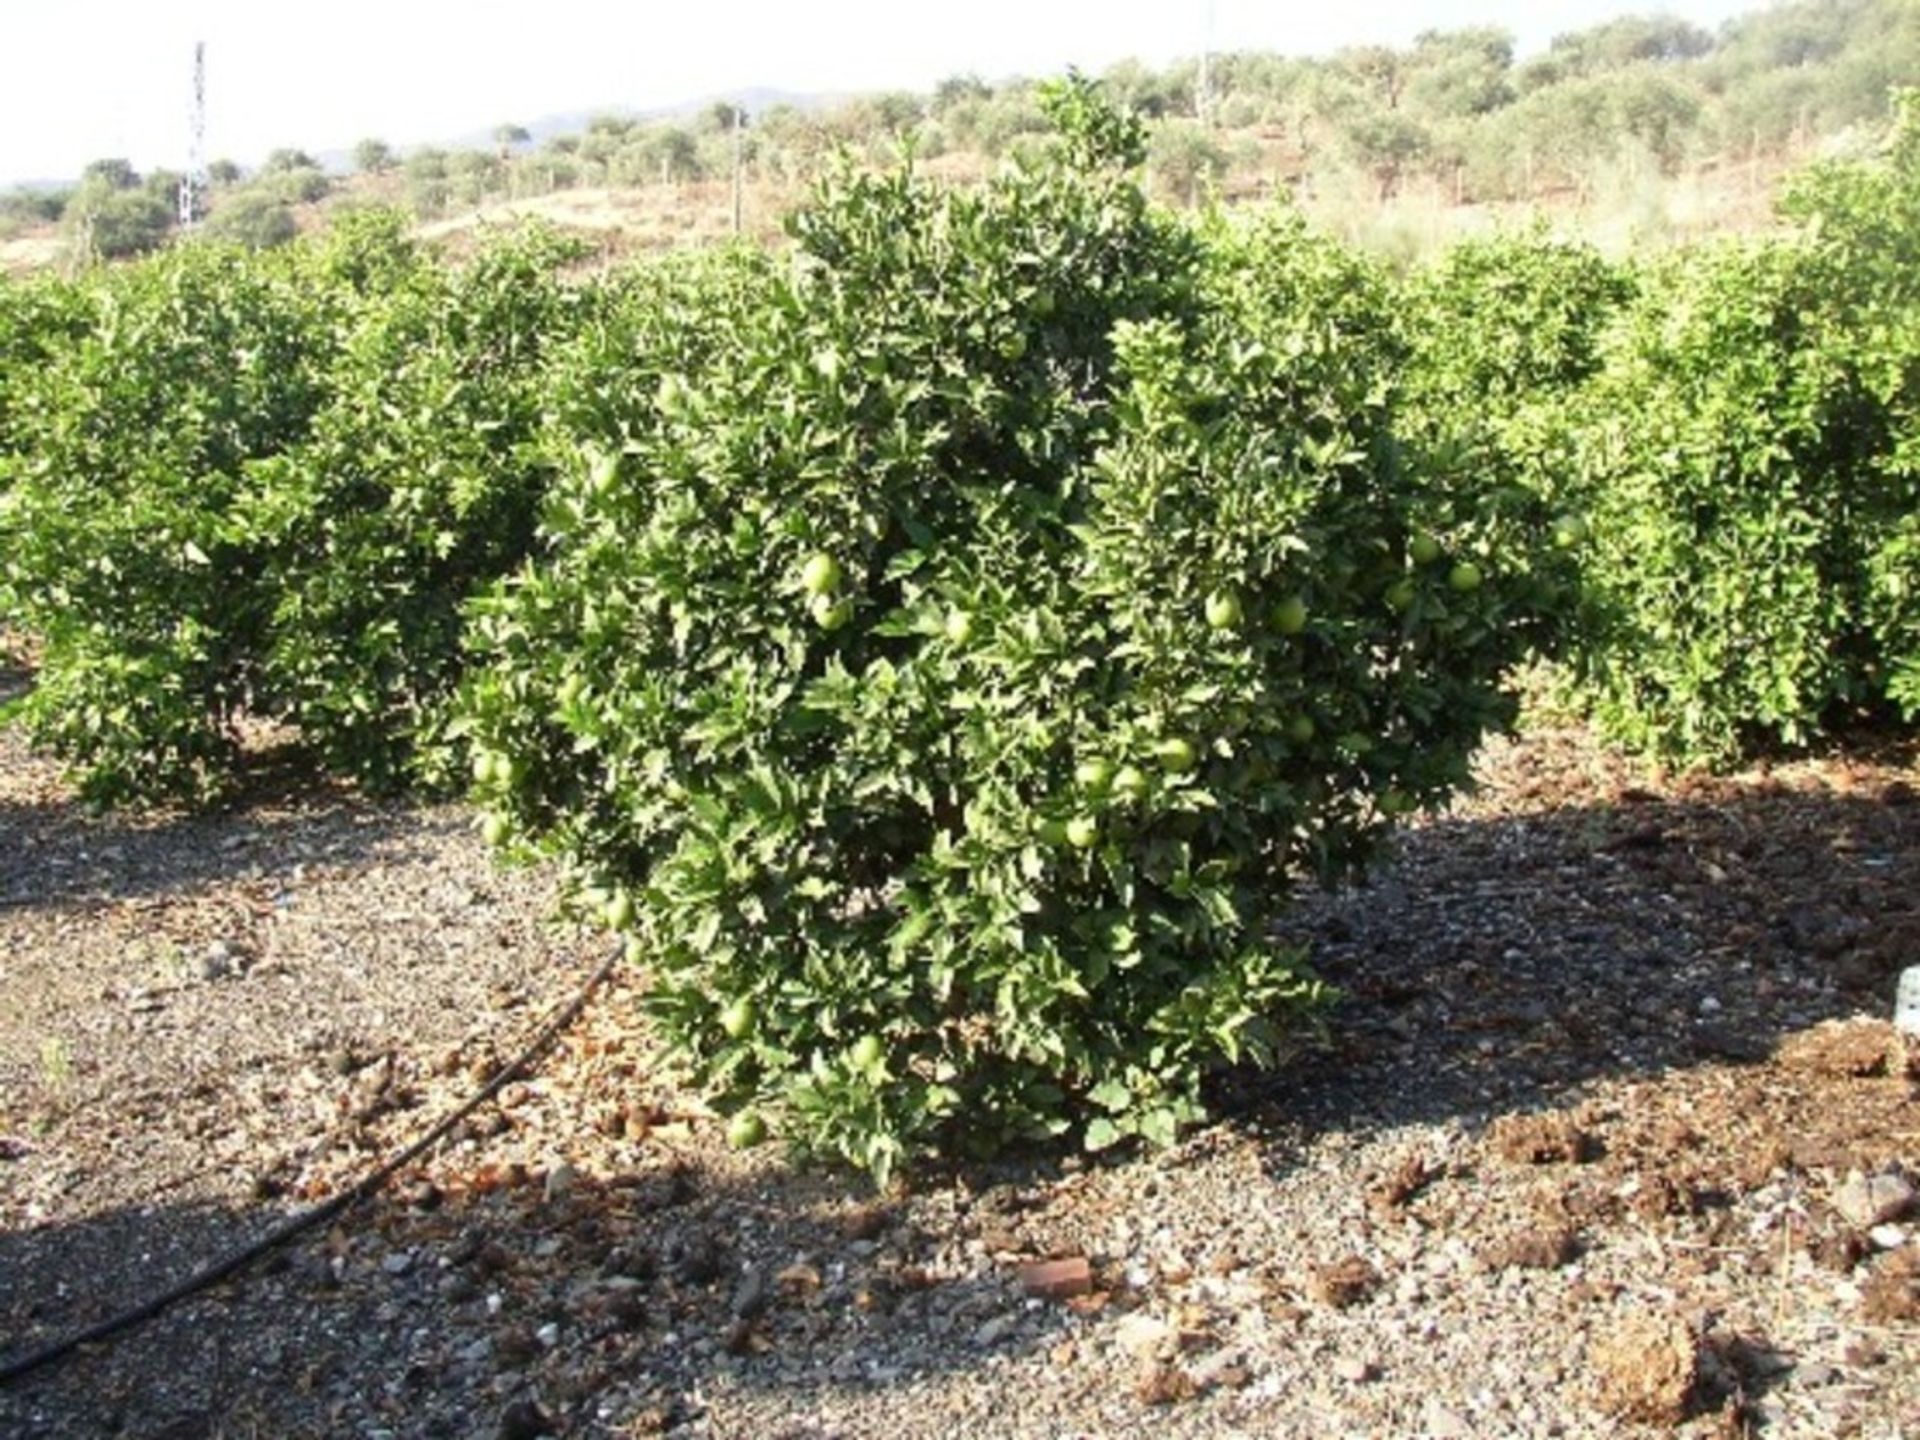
(1599, 1144)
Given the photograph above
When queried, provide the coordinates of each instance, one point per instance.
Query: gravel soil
(1608, 1136)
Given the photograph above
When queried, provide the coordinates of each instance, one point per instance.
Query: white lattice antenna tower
(193, 182)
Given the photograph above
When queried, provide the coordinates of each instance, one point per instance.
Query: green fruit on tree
(1014, 346)
(821, 575)
(737, 1019)
(1465, 577)
(1290, 615)
(959, 626)
(1300, 729)
(1082, 831)
(746, 1130)
(867, 1051)
(1223, 610)
(1400, 595)
(495, 829)
(482, 767)
(1570, 530)
(1395, 801)
(1175, 755)
(1053, 832)
(1130, 783)
(1094, 775)
(1424, 549)
(829, 613)
(619, 912)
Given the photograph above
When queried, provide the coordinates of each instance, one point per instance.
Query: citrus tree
(946, 678)
(1749, 454)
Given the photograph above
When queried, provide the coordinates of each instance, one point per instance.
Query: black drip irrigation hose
(231, 1264)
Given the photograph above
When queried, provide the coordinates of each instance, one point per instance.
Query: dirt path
(1576, 1156)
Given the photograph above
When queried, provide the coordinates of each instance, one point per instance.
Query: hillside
(1641, 130)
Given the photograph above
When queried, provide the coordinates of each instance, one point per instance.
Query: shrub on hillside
(948, 677)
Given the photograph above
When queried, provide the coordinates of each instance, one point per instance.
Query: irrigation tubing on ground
(232, 1264)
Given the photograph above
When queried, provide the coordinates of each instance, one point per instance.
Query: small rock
(548, 1335)
(1888, 1237)
(1057, 1279)
(1354, 1370)
(217, 962)
(398, 1263)
(753, 1294)
(561, 1181)
(1164, 1384)
(525, 1420)
(994, 1331)
(1142, 1336)
(1866, 1201)
(1445, 1424)
(1812, 1375)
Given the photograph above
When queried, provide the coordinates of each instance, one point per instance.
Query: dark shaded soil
(1582, 1102)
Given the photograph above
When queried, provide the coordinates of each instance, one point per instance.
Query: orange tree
(950, 644)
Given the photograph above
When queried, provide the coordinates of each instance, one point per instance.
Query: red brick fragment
(1057, 1279)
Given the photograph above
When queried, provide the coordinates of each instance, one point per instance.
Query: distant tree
(719, 118)
(1457, 73)
(511, 137)
(1378, 69)
(301, 186)
(1182, 155)
(1387, 145)
(1619, 43)
(613, 125)
(112, 174)
(673, 152)
(564, 144)
(373, 157)
(957, 89)
(280, 161)
(224, 172)
(109, 222)
(255, 218)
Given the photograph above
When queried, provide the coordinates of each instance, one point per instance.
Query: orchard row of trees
(943, 648)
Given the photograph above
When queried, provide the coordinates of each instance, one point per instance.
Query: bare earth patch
(1579, 1112)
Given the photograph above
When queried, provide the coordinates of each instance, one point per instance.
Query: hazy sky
(92, 78)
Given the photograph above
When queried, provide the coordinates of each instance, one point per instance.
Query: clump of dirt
(1646, 1368)
(1545, 1248)
(1343, 1283)
(1892, 1291)
(1853, 1049)
(1542, 1140)
(1398, 1187)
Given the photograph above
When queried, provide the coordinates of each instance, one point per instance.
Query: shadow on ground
(1500, 964)
(53, 852)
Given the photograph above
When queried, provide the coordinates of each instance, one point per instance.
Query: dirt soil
(1609, 1136)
